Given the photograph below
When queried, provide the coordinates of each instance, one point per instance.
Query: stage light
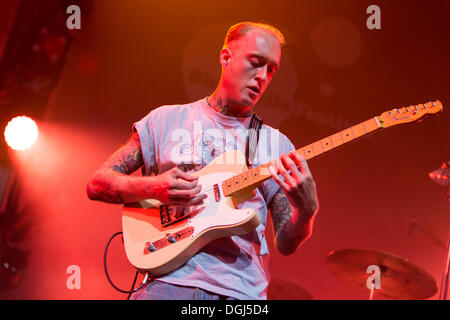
(21, 133)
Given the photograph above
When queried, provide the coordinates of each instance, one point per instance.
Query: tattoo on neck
(225, 110)
(221, 108)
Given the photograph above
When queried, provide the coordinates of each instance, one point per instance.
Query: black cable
(132, 286)
(144, 282)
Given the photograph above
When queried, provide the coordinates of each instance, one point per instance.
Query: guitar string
(241, 175)
(209, 190)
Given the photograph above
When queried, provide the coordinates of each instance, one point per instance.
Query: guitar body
(147, 242)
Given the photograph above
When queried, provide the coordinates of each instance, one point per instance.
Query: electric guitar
(159, 238)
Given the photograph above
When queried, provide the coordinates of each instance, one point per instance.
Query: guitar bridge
(172, 214)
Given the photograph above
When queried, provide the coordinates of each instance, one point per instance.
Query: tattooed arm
(295, 206)
(112, 183)
(291, 228)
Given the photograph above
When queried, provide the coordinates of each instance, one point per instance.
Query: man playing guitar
(233, 267)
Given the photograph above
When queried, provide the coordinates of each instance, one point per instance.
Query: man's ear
(225, 57)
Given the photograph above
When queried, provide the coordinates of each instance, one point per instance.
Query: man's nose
(261, 75)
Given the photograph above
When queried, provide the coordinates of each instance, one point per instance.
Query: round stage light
(21, 133)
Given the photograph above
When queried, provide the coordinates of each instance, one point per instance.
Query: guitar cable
(144, 282)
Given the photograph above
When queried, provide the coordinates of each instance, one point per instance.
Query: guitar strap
(252, 139)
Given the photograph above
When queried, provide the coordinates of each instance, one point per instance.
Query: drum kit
(398, 278)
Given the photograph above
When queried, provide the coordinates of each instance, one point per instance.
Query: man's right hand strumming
(177, 188)
(112, 183)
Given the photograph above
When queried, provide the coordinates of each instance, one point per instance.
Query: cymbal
(280, 289)
(400, 279)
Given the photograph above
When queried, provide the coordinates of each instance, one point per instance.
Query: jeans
(158, 290)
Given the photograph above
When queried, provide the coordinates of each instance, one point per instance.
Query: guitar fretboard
(251, 178)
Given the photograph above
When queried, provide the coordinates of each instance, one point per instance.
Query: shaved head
(238, 30)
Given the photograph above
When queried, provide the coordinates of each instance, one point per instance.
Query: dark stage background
(132, 56)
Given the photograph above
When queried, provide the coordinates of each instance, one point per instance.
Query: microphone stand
(442, 176)
(444, 283)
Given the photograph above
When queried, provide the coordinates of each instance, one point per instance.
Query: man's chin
(245, 102)
(249, 102)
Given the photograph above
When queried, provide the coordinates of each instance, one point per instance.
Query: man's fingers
(300, 162)
(277, 179)
(183, 175)
(185, 194)
(288, 164)
(196, 200)
(185, 185)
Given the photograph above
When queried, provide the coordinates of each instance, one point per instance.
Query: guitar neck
(338, 139)
(252, 178)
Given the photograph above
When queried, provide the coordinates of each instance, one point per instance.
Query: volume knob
(171, 239)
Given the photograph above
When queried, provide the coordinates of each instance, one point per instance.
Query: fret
(235, 184)
(371, 124)
(317, 148)
(231, 184)
(327, 144)
(250, 176)
(358, 131)
(309, 152)
(226, 186)
(265, 170)
(239, 180)
(346, 135)
(303, 150)
(337, 140)
(246, 178)
(378, 121)
(364, 127)
(321, 144)
(256, 174)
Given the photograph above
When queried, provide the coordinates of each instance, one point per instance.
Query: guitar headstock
(408, 114)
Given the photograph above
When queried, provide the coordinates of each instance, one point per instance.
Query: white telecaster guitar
(160, 238)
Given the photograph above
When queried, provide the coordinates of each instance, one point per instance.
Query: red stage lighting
(21, 133)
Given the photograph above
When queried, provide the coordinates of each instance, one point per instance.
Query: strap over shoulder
(252, 138)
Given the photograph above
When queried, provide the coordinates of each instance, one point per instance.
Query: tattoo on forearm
(102, 188)
(126, 160)
(281, 210)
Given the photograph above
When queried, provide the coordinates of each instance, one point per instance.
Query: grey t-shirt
(190, 136)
